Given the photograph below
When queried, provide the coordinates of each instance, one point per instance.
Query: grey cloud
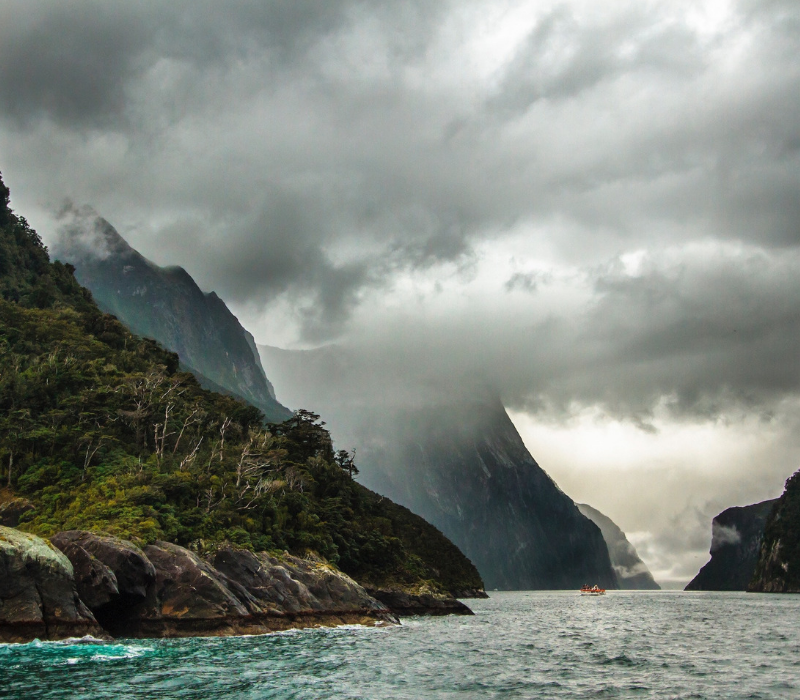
(84, 235)
(70, 66)
(702, 334)
(258, 136)
(278, 252)
(561, 57)
(82, 64)
(526, 281)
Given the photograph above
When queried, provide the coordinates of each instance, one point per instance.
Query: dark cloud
(72, 67)
(319, 155)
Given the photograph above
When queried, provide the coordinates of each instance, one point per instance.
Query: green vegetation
(778, 567)
(100, 430)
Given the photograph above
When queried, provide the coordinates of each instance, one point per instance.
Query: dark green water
(518, 645)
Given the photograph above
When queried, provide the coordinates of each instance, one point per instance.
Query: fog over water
(592, 210)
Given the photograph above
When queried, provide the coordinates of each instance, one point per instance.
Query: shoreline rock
(405, 604)
(165, 590)
(85, 583)
(38, 596)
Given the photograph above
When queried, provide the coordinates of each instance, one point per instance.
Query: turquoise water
(518, 645)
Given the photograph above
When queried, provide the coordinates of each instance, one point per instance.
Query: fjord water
(518, 645)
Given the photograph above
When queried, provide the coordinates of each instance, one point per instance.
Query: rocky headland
(736, 535)
(83, 583)
(173, 509)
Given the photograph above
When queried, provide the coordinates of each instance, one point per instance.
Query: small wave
(73, 650)
(621, 660)
(87, 639)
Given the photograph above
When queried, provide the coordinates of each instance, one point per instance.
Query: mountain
(101, 430)
(632, 573)
(167, 305)
(736, 535)
(777, 569)
(456, 461)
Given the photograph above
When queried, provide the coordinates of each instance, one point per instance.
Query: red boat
(592, 590)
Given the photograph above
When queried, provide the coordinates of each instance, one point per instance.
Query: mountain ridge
(166, 304)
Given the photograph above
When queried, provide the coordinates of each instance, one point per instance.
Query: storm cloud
(578, 207)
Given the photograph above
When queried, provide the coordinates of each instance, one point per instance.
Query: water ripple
(518, 645)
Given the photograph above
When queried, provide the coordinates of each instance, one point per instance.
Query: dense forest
(100, 430)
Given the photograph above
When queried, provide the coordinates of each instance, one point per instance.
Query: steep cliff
(167, 305)
(632, 573)
(778, 567)
(736, 535)
(460, 464)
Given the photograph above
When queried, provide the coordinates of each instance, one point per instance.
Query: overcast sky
(595, 207)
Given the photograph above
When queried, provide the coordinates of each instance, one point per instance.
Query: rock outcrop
(12, 510)
(631, 572)
(777, 568)
(165, 590)
(113, 576)
(736, 535)
(429, 603)
(38, 597)
(91, 584)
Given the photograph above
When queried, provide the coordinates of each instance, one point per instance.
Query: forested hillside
(100, 430)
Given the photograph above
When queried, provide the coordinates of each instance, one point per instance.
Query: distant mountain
(736, 535)
(778, 567)
(460, 464)
(632, 573)
(167, 305)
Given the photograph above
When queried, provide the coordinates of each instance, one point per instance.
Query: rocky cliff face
(736, 535)
(166, 304)
(91, 584)
(38, 598)
(461, 465)
(164, 590)
(777, 568)
(631, 572)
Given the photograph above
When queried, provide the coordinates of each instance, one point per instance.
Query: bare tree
(258, 462)
(189, 458)
(160, 432)
(194, 417)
